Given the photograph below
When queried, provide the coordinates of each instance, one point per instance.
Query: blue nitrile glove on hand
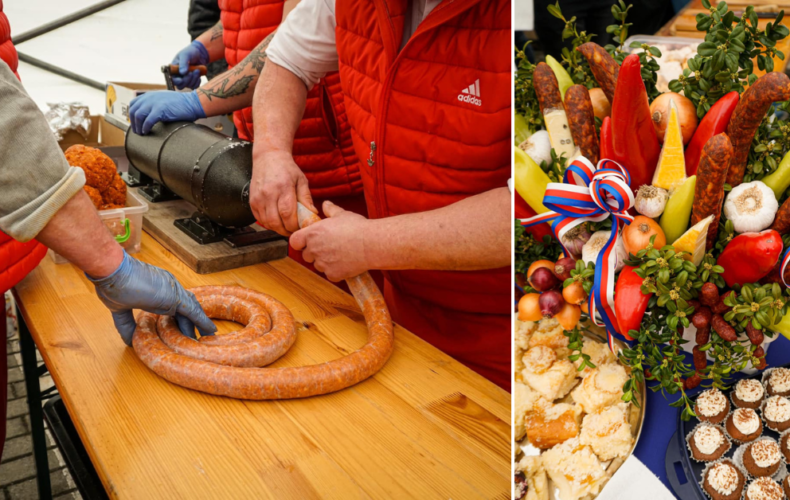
(147, 110)
(137, 285)
(193, 54)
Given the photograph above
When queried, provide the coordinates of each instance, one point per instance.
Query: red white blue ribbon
(785, 260)
(592, 194)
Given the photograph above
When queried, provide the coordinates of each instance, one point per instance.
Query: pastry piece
(599, 353)
(762, 458)
(748, 393)
(524, 399)
(550, 334)
(764, 488)
(776, 412)
(549, 424)
(553, 378)
(708, 442)
(575, 470)
(532, 482)
(608, 432)
(601, 387)
(778, 383)
(712, 406)
(723, 481)
(744, 425)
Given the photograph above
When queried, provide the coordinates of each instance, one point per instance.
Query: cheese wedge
(671, 170)
(694, 240)
(560, 133)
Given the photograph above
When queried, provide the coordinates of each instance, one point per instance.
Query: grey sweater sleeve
(35, 178)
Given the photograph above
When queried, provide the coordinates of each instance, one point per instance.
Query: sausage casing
(604, 68)
(581, 119)
(709, 190)
(748, 114)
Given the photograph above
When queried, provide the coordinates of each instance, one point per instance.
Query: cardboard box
(118, 95)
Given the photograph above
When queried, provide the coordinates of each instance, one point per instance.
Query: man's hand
(336, 245)
(147, 110)
(137, 285)
(277, 184)
(193, 54)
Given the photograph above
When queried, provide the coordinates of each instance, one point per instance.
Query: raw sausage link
(546, 88)
(604, 68)
(782, 221)
(581, 119)
(748, 114)
(709, 191)
(230, 367)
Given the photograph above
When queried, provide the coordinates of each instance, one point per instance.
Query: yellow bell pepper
(530, 181)
(783, 326)
(779, 180)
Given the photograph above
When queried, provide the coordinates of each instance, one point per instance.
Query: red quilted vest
(16, 259)
(322, 146)
(430, 123)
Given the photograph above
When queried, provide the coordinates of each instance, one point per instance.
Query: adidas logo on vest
(471, 94)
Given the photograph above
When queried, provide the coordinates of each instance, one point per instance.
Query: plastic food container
(675, 51)
(126, 224)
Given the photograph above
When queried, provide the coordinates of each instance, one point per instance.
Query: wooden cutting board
(210, 258)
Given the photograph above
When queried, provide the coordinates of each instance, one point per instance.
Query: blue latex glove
(192, 54)
(147, 110)
(137, 285)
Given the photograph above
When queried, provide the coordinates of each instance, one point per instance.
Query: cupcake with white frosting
(743, 425)
(748, 393)
(762, 458)
(712, 406)
(707, 442)
(764, 488)
(776, 412)
(723, 481)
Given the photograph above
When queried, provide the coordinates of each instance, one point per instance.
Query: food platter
(636, 416)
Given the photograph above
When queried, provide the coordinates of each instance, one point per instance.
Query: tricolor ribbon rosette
(590, 193)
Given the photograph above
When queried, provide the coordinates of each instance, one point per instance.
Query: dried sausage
(692, 382)
(581, 119)
(701, 317)
(709, 294)
(229, 365)
(721, 307)
(724, 329)
(703, 336)
(546, 88)
(748, 115)
(700, 360)
(709, 190)
(755, 335)
(604, 68)
(782, 221)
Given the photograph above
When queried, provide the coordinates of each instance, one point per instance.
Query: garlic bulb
(575, 239)
(596, 243)
(651, 200)
(751, 207)
(538, 147)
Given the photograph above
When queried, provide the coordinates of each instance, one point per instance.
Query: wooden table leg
(30, 367)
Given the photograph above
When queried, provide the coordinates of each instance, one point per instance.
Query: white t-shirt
(305, 42)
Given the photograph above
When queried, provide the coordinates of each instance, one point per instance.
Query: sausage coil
(230, 365)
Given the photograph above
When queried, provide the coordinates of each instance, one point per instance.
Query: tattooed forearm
(226, 88)
(241, 78)
(216, 31)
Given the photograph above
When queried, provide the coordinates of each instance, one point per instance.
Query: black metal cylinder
(206, 168)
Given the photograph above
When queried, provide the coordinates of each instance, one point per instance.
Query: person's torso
(322, 144)
(430, 122)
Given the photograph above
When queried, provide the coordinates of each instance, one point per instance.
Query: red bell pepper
(634, 140)
(606, 139)
(524, 211)
(713, 123)
(630, 303)
(750, 257)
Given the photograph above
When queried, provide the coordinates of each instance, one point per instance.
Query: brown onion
(528, 308)
(569, 316)
(687, 114)
(601, 106)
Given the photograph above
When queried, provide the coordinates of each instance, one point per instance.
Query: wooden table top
(423, 427)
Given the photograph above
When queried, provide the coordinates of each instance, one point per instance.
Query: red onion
(563, 267)
(550, 303)
(543, 279)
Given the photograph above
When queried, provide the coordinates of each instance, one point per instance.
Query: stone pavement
(17, 469)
